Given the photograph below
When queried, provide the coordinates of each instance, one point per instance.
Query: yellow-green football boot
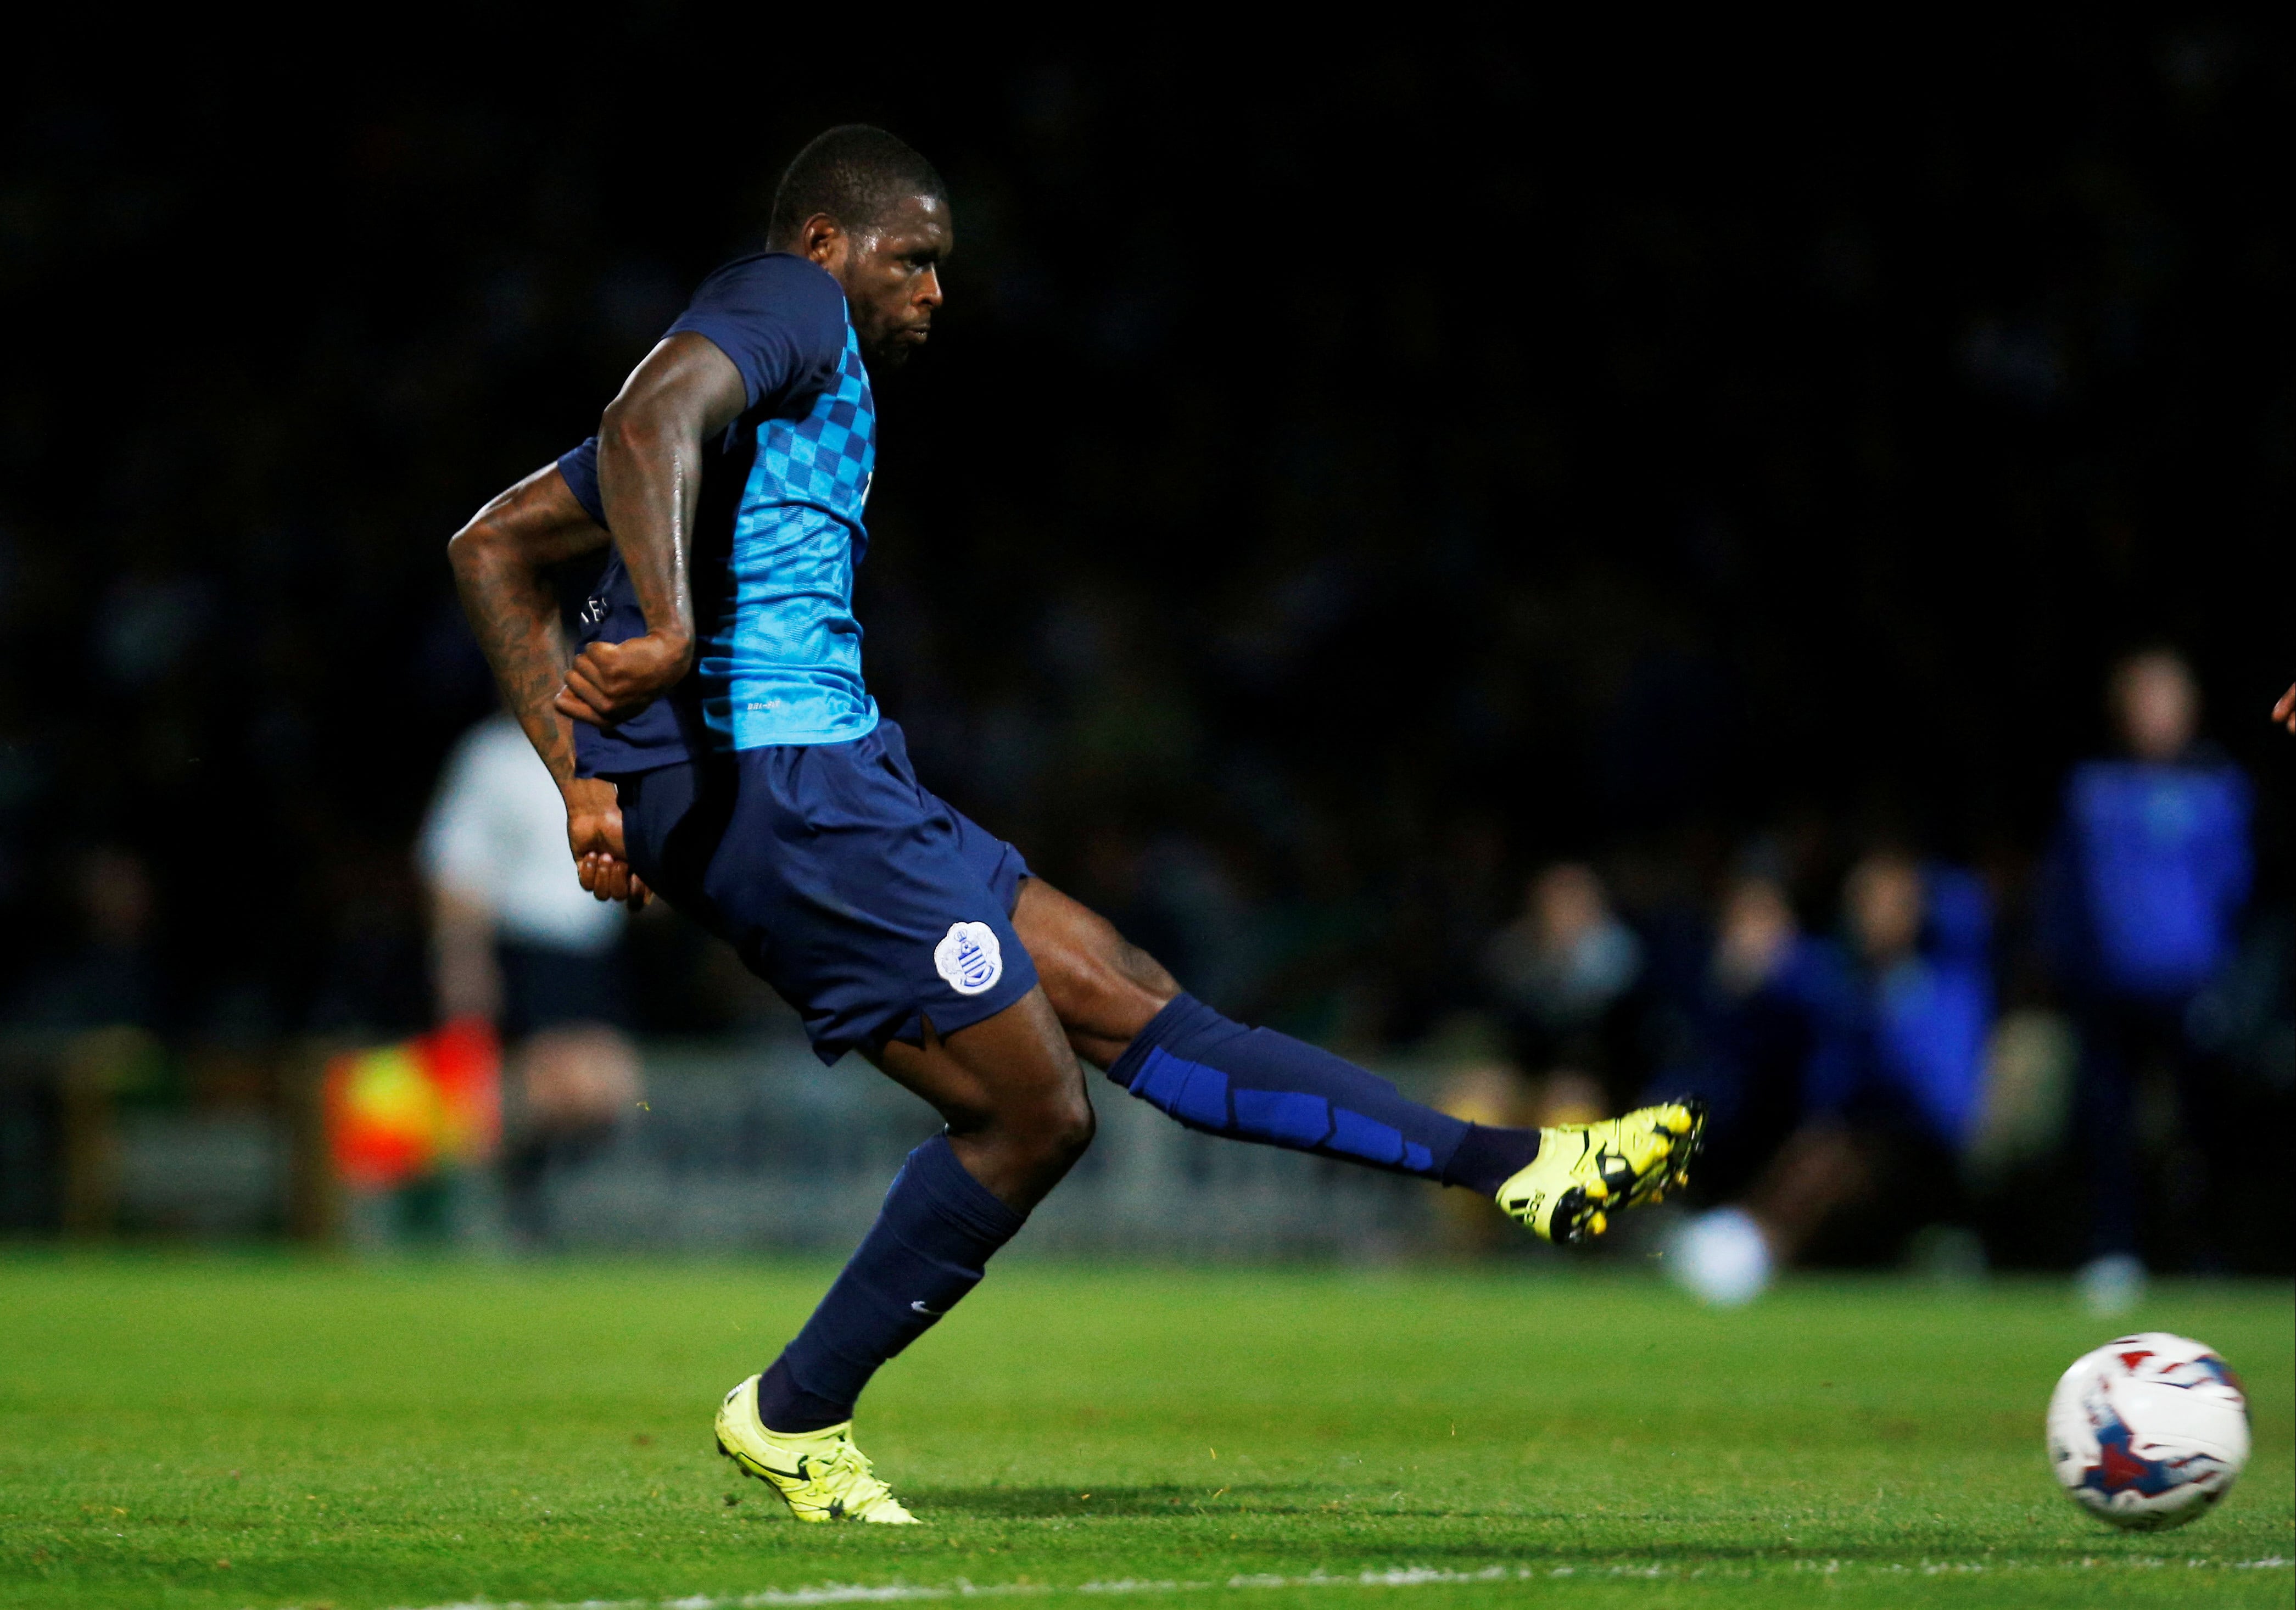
(1584, 1171)
(819, 1474)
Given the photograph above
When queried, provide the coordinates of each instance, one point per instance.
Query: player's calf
(1103, 989)
(1122, 1010)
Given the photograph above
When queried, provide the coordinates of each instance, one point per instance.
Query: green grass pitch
(228, 1432)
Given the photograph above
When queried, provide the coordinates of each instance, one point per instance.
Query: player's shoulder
(783, 273)
(775, 283)
(781, 318)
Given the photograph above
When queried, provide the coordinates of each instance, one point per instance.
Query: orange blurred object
(402, 1113)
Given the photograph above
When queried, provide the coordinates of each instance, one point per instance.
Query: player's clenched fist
(594, 832)
(610, 682)
(609, 879)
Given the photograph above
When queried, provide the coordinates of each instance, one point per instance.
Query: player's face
(892, 279)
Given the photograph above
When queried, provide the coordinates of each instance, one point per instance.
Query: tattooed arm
(498, 561)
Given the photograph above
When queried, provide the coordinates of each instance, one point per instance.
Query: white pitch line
(1414, 1576)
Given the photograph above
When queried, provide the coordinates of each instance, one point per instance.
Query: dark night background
(1333, 489)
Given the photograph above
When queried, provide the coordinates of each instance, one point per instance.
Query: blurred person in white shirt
(516, 940)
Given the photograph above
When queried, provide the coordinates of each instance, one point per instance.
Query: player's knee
(1059, 1130)
(1073, 1127)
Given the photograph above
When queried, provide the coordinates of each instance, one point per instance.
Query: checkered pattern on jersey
(826, 458)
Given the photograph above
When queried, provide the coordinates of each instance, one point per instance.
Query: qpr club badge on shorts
(970, 957)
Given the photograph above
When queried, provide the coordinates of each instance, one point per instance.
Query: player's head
(875, 214)
(2157, 702)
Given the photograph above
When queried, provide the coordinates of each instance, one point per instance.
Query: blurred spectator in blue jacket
(1845, 1079)
(1778, 1020)
(1777, 1023)
(1926, 936)
(2143, 897)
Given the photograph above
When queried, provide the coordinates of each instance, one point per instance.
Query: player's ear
(824, 241)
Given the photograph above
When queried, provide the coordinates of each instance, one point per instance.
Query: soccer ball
(2148, 1430)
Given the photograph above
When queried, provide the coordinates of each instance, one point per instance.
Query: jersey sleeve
(580, 469)
(778, 317)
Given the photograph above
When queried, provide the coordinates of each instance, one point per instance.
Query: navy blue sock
(1255, 1084)
(931, 1241)
(1490, 1156)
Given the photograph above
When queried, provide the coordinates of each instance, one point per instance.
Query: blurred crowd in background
(1602, 578)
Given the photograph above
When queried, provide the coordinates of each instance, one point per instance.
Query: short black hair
(854, 173)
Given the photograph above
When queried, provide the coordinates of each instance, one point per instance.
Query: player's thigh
(844, 886)
(673, 819)
(1013, 1069)
(1103, 987)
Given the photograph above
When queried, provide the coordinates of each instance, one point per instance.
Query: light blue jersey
(777, 533)
(781, 662)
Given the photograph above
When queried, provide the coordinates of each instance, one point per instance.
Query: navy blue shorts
(868, 903)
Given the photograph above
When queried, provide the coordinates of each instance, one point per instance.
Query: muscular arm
(650, 477)
(499, 559)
